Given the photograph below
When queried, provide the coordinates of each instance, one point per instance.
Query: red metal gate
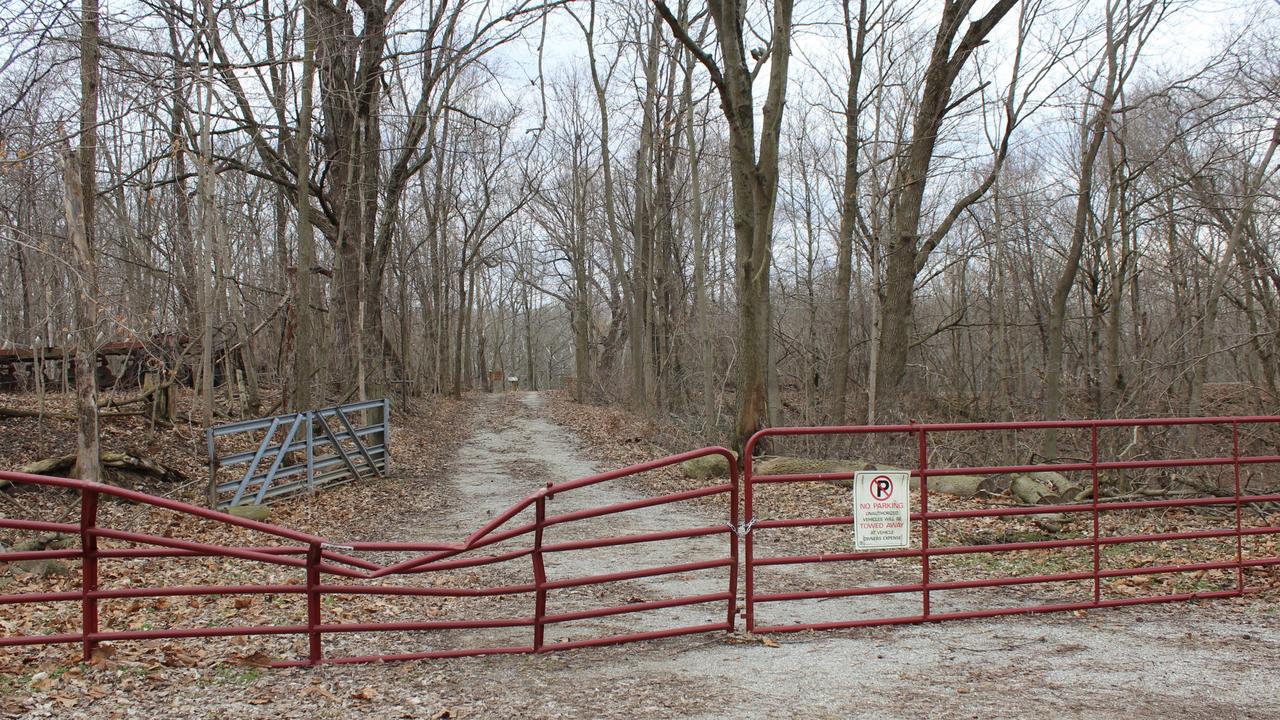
(791, 569)
(906, 586)
(324, 571)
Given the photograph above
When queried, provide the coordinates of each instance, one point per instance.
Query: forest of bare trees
(726, 214)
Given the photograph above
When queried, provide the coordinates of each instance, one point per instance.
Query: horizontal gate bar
(976, 614)
(1011, 547)
(320, 443)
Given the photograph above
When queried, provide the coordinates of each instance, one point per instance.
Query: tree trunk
(705, 342)
(1092, 132)
(304, 341)
(754, 176)
(1236, 228)
(208, 222)
(906, 253)
(617, 253)
(849, 208)
(80, 196)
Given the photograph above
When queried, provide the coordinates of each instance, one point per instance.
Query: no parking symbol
(882, 510)
(881, 488)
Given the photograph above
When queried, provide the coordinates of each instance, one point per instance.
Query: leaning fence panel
(262, 460)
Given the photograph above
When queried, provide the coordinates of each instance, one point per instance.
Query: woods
(725, 216)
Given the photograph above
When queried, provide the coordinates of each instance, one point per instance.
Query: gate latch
(742, 530)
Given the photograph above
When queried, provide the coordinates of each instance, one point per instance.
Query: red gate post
(1097, 522)
(747, 545)
(924, 522)
(314, 650)
(539, 574)
(1235, 463)
(733, 542)
(88, 571)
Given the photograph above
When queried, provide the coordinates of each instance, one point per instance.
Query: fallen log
(42, 567)
(123, 462)
(1046, 488)
(145, 396)
(15, 412)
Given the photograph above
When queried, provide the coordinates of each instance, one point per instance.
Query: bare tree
(754, 171)
(81, 200)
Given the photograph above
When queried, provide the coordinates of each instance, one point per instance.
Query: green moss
(261, 513)
(706, 467)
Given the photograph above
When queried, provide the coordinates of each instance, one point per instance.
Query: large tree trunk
(350, 69)
(1093, 130)
(1236, 228)
(580, 311)
(184, 242)
(754, 175)
(855, 51)
(644, 232)
(86, 320)
(304, 341)
(906, 254)
(617, 254)
(208, 223)
(706, 352)
(80, 195)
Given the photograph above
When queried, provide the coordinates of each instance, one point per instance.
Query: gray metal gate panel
(313, 454)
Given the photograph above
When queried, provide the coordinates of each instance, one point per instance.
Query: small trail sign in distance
(882, 510)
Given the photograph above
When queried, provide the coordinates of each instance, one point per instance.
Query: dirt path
(516, 451)
(1190, 660)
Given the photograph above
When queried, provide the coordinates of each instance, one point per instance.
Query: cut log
(43, 567)
(813, 466)
(1040, 488)
(53, 541)
(706, 467)
(136, 463)
(127, 462)
(1051, 523)
(1029, 490)
(958, 485)
(15, 412)
(48, 466)
(148, 391)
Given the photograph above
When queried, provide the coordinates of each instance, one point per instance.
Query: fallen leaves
(102, 654)
(256, 658)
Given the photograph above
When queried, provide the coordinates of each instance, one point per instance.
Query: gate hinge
(742, 530)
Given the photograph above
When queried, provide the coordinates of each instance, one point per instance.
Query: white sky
(1192, 34)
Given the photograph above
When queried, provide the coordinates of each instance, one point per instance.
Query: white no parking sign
(882, 510)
